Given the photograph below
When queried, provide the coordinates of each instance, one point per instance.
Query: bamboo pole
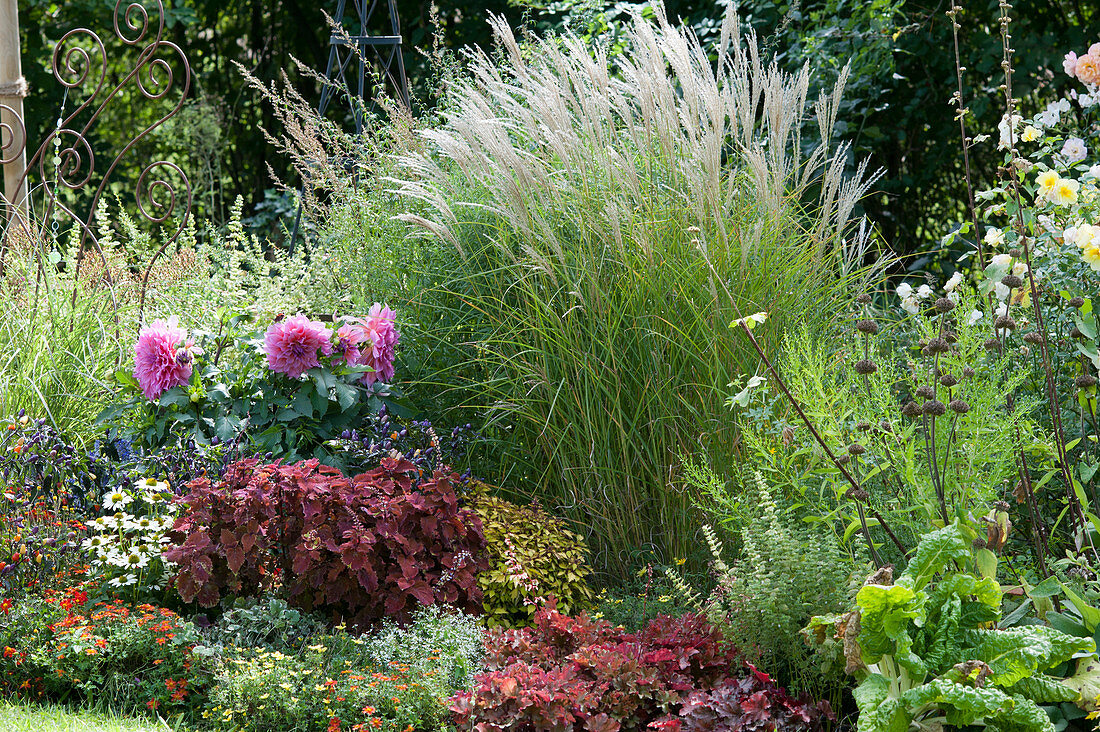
(13, 87)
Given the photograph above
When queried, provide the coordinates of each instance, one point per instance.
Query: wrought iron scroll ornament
(65, 159)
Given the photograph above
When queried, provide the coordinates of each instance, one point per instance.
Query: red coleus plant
(375, 544)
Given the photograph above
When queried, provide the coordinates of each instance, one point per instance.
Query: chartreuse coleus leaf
(934, 553)
(1014, 654)
(887, 614)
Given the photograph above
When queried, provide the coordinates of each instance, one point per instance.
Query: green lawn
(33, 718)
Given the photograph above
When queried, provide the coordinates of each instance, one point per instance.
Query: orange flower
(368, 710)
(152, 704)
(91, 651)
(9, 651)
(161, 641)
(6, 605)
(334, 725)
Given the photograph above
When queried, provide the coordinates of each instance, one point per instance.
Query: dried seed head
(958, 406)
(979, 543)
(865, 367)
(856, 449)
(843, 458)
(1084, 381)
(857, 494)
(993, 344)
(1012, 281)
(886, 426)
(1076, 302)
(788, 435)
(951, 336)
(967, 372)
(1015, 253)
(864, 299)
(934, 408)
(869, 327)
(938, 345)
(948, 380)
(924, 391)
(1004, 322)
(944, 305)
(1033, 337)
(911, 410)
(1076, 333)
(1001, 505)
(863, 426)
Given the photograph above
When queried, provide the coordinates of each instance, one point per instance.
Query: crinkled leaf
(1017, 653)
(888, 615)
(1086, 682)
(1044, 689)
(878, 711)
(961, 705)
(933, 553)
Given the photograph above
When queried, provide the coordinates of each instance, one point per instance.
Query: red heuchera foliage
(754, 702)
(578, 674)
(375, 544)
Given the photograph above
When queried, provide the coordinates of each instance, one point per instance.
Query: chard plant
(927, 649)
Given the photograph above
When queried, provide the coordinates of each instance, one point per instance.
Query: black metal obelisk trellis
(356, 53)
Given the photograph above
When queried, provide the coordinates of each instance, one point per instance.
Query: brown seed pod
(1004, 322)
(865, 367)
(958, 406)
(856, 449)
(869, 327)
(944, 305)
(911, 410)
(934, 408)
(938, 345)
(1012, 281)
(968, 372)
(924, 391)
(864, 299)
(948, 380)
(1084, 381)
(1033, 337)
(1076, 302)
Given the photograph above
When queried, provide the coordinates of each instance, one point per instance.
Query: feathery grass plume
(603, 210)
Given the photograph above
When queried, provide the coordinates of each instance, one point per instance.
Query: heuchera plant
(287, 389)
(927, 650)
(380, 543)
(575, 673)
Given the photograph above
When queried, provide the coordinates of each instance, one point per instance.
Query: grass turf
(35, 718)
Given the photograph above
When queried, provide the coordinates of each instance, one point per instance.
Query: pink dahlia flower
(294, 346)
(162, 357)
(378, 337)
(349, 337)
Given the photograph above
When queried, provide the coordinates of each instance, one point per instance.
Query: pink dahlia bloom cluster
(1085, 68)
(162, 357)
(295, 345)
(371, 341)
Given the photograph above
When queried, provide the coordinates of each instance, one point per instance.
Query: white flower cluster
(125, 547)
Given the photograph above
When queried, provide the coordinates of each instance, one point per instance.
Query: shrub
(285, 387)
(267, 623)
(372, 545)
(128, 657)
(391, 680)
(782, 577)
(533, 556)
(575, 673)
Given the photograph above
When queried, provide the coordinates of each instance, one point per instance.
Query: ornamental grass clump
(599, 208)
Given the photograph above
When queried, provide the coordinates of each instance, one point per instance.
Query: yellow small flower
(1030, 134)
(1090, 253)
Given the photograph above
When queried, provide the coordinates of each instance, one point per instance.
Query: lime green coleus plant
(927, 650)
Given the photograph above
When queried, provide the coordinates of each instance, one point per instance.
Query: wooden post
(13, 87)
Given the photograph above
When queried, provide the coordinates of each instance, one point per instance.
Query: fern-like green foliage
(783, 576)
(974, 453)
(533, 557)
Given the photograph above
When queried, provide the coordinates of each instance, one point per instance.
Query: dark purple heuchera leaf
(368, 545)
